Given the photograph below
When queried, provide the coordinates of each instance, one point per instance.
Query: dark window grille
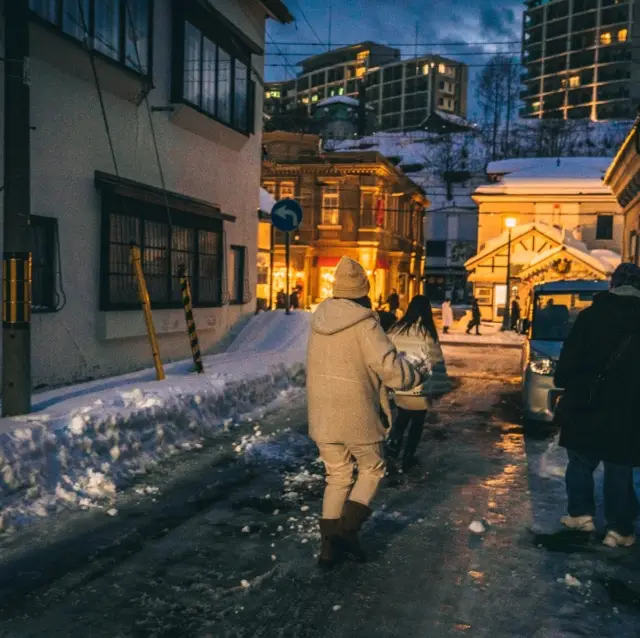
(192, 241)
(43, 288)
(118, 29)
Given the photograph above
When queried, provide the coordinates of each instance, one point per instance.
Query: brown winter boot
(329, 552)
(353, 517)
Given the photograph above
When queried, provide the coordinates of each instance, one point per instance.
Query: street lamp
(510, 223)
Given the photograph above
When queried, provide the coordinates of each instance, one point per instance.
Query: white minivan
(551, 312)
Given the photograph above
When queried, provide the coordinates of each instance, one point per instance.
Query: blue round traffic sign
(286, 215)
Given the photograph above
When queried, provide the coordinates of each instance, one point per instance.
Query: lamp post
(510, 223)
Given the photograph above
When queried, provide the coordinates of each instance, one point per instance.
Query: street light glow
(510, 222)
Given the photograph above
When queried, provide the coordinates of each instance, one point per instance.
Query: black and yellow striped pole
(136, 262)
(191, 322)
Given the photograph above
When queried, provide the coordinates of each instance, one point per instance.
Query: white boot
(579, 523)
(613, 539)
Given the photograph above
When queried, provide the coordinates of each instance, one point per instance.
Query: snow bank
(81, 448)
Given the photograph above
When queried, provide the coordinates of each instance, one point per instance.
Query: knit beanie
(626, 274)
(351, 281)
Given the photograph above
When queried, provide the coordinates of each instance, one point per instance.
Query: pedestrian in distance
(281, 300)
(294, 301)
(393, 301)
(447, 315)
(415, 336)
(598, 413)
(476, 318)
(515, 314)
(350, 363)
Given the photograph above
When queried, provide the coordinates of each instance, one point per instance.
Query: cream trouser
(339, 461)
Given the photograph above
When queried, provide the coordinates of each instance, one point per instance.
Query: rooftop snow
(338, 99)
(548, 176)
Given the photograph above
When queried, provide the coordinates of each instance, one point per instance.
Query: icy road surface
(220, 543)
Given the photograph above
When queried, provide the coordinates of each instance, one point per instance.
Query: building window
(623, 34)
(330, 205)
(604, 229)
(270, 187)
(213, 73)
(43, 288)
(287, 190)
(605, 38)
(192, 241)
(362, 56)
(574, 81)
(118, 29)
(237, 270)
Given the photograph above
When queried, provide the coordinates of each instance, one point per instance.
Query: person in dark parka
(598, 414)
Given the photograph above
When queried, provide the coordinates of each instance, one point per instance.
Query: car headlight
(541, 364)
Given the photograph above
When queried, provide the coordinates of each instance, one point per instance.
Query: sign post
(286, 216)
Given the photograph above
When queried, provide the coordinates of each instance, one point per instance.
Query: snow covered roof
(601, 265)
(548, 176)
(338, 99)
(267, 201)
(559, 235)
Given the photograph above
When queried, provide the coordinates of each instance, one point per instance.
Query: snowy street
(220, 542)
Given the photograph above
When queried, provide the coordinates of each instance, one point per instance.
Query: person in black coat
(598, 414)
(476, 318)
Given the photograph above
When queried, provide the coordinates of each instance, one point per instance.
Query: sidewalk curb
(513, 346)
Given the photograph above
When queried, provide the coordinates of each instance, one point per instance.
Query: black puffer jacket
(603, 425)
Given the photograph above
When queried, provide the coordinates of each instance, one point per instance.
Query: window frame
(50, 227)
(213, 30)
(609, 217)
(149, 212)
(240, 299)
(330, 214)
(286, 185)
(58, 28)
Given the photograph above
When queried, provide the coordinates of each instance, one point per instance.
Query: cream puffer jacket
(350, 363)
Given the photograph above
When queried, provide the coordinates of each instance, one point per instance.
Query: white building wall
(69, 144)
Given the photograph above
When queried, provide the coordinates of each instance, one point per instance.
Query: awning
(328, 262)
(154, 195)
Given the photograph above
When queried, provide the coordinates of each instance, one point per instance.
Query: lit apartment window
(287, 190)
(305, 100)
(330, 205)
(574, 81)
(341, 91)
(363, 55)
(442, 68)
(314, 97)
(272, 94)
(360, 71)
(425, 69)
(605, 38)
(623, 34)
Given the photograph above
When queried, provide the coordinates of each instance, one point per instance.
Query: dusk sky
(394, 22)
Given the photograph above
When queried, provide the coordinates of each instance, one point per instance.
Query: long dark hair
(420, 316)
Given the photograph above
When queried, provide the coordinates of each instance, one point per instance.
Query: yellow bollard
(136, 262)
(191, 322)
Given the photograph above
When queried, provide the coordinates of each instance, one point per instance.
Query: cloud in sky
(478, 23)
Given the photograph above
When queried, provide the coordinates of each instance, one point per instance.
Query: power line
(287, 64)
(404, 44)
(304, 16)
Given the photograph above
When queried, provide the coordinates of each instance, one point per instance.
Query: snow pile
(267, 201)
(93, 439)
(338, 99)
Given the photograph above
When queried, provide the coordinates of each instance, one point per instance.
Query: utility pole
(16, 267)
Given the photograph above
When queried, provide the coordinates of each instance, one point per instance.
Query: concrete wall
(69, 143)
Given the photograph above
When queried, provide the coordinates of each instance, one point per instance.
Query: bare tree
(497, 94)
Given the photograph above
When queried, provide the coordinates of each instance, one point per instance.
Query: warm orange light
(510, 222)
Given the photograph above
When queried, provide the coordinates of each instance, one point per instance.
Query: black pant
(415, 420)
(620, 502)
(474, 324)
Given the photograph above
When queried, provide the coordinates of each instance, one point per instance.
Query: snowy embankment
(83, 443)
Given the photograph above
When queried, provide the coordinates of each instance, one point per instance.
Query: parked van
(549, 317)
